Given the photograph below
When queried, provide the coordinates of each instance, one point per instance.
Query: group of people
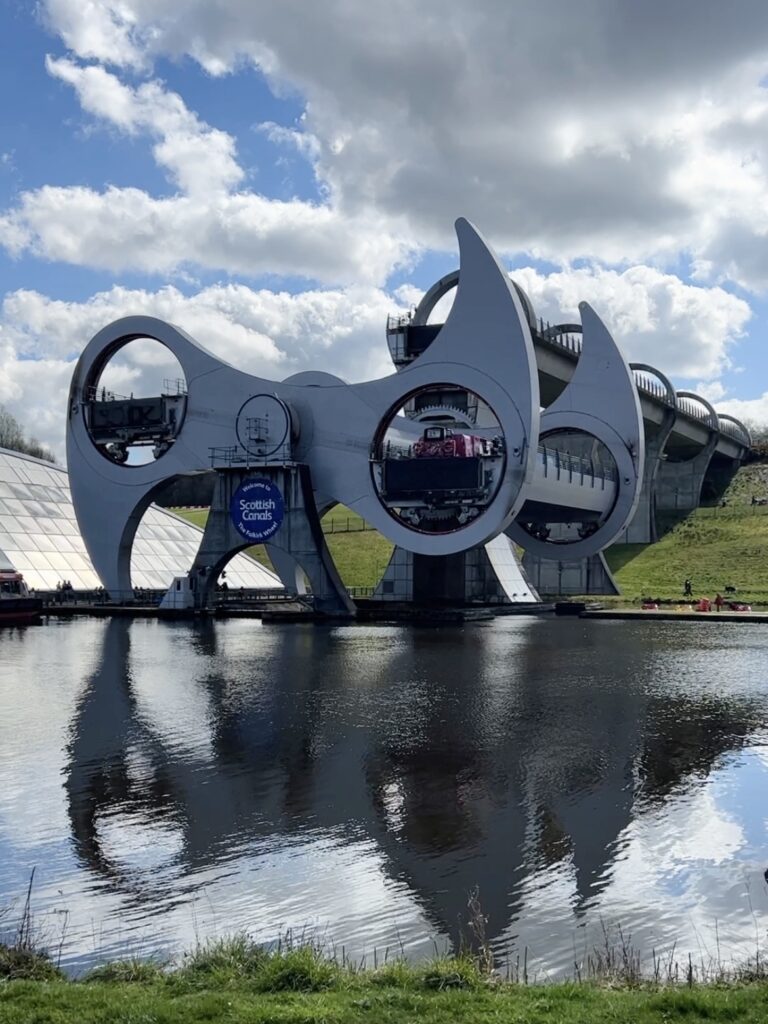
(66, 592)
(63, 590)
(718, 602)
(704, 604)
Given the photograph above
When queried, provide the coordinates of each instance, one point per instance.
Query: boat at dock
(17, 607)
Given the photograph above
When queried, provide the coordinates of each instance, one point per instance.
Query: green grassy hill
(715, 547)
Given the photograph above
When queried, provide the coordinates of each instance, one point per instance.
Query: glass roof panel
(37, 524)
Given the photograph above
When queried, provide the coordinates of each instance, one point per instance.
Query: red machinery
(442, 443)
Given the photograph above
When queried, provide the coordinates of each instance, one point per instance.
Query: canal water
(174, 782)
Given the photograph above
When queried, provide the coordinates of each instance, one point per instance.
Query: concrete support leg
(486, 575)
(300, 536)
(643, 528)
(719, 475)
(288, 569)
(563, 578)
(397, 582)
(678, 487)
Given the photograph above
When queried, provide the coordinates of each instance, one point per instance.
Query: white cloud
(200, 159)
(684, 330)
(95, 29)
(713, 390)
(124, 229)
(271, 334)
(544, 126)
(748, 410)
(206, 224)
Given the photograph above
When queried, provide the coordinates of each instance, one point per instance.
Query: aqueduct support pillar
(643, 527)
(561, 577)
(678, 487)
(299, 536)
(483, 575)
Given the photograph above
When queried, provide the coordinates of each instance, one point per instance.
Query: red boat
(16, 606)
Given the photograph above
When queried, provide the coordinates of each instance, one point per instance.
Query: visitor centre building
(40, 538)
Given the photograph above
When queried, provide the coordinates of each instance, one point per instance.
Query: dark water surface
(171, 782)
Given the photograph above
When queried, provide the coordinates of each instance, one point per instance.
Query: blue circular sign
(257, 509)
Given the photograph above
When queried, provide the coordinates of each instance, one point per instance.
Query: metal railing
(568, 341)
(574, 468)
(100, 598)
(144, 598)
(100, 394)
(397, 321)
(235, 457)
(654, 388)
(347, 526)
(693, 409)
(238, 598)
(171, 389)
(735, 431)
(174, 386)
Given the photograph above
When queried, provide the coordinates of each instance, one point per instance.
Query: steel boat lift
(451, 458)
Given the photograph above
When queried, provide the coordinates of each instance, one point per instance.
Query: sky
(276, 178)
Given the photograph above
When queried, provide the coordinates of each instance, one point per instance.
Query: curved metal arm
(712, 420)
(431, 297)
(739, 425)
(615, 420)
(671, 394)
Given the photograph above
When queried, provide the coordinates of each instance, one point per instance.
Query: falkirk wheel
(451, 457)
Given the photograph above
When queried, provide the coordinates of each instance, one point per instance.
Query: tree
(12, 437)
(758, 431)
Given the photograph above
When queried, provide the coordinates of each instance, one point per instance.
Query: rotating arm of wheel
(600, 400)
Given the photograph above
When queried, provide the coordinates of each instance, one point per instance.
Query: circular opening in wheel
(135, 402)
(438, 459)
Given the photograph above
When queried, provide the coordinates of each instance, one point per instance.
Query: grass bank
(236, 981)
(714, 547)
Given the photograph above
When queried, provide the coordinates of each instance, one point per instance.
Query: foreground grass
(235, 980)
(361, 557)
(372, 1000)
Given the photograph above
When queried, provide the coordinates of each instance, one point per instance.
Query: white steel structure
(437, 486)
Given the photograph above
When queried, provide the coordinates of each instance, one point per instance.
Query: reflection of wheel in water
(437, 465)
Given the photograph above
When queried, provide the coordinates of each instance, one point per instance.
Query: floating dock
(290, 611)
